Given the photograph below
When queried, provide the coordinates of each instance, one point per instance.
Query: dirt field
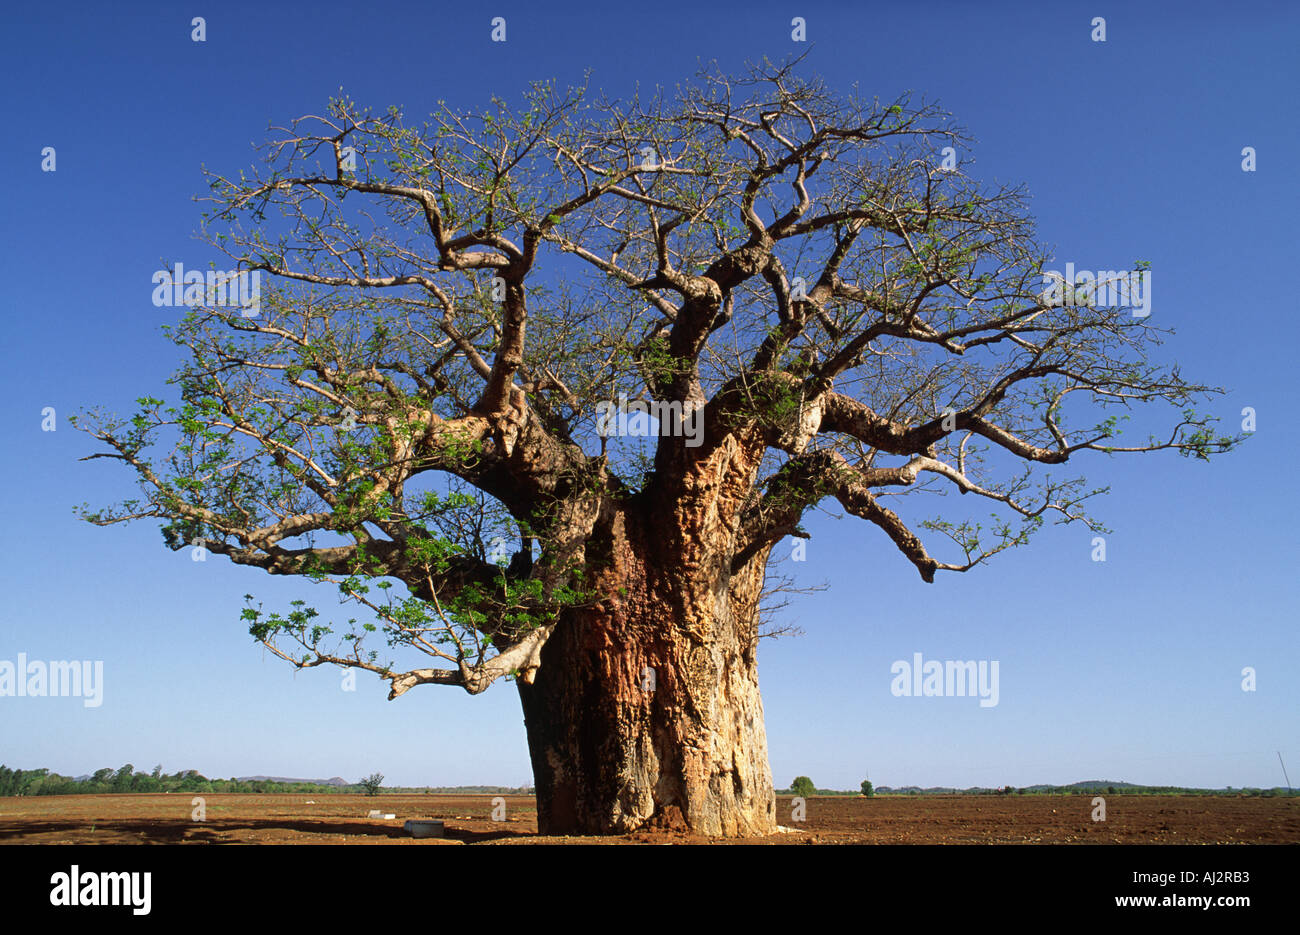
(340, 819)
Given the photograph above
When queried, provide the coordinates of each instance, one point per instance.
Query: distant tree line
(803, 786)
(126, 779)
(1117, 789)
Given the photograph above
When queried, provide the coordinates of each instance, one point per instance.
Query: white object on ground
(425, 828)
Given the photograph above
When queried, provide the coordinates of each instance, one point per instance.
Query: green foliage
(802, 786)
(122, 778)
(867, 788)
(660, 365)
(43, 782)
(1204, 441)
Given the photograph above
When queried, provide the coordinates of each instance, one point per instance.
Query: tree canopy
(411, 411)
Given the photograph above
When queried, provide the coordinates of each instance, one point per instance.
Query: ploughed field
(341, 819)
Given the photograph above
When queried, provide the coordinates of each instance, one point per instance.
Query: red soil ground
(340, 819)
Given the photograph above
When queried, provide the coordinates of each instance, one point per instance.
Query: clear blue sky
(1127, 670)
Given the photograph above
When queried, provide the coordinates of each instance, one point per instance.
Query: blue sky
(1125, 670)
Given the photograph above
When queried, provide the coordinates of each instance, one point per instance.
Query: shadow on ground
(224, 831)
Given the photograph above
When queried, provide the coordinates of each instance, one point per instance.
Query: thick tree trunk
(645, 711)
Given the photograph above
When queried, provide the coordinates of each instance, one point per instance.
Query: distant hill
(1087, 786)
(465, 790)
(335, 781)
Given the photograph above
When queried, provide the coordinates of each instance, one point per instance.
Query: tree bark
(645, 710)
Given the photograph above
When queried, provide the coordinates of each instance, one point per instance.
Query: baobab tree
(828, 311)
